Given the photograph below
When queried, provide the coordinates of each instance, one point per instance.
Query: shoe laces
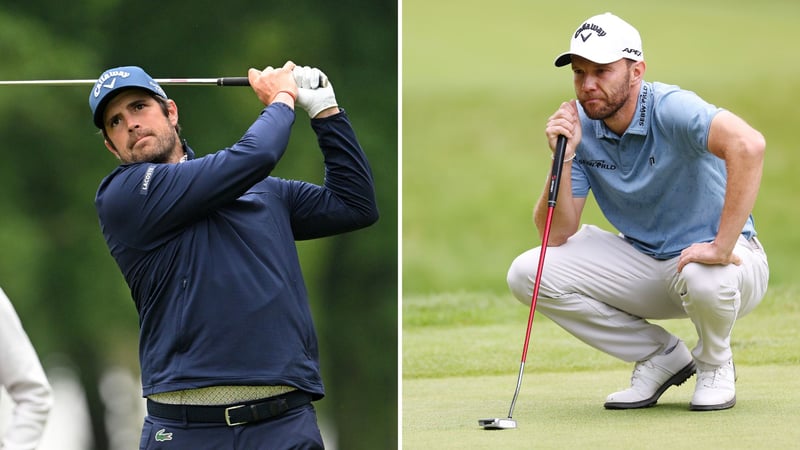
(638, 371)
(709, 378)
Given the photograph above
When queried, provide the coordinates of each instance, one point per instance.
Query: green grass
(478, 86)
(461, 356)
(482, 334)
(559, 411)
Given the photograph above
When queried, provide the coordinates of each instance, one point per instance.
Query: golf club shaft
(552, 195)
(225, 81)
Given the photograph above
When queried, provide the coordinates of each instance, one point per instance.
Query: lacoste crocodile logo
(162, 435)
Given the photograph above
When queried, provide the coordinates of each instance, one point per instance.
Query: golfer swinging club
(227, 347)
(678, 178)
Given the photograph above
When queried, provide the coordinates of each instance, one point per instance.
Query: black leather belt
(241, 414)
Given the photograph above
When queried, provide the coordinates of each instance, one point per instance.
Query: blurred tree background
(55, 266)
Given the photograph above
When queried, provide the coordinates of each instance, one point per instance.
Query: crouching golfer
(678, 178)
(227, 346)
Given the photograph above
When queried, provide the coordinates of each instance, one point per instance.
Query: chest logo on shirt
(597, 164)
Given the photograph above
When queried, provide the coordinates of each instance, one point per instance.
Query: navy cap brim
(101, 106)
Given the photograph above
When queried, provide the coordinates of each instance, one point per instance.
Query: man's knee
(708, 287)
(521, 275)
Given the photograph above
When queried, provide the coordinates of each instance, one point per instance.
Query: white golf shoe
(652, 377)
(716, 388)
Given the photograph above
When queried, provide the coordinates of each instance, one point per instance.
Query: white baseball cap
(603, 39)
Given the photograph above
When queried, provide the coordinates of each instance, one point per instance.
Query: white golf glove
(314, 90)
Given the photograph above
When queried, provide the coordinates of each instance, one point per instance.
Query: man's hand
(315, 92)
(565, 121)
(707, 253)
(272, 85)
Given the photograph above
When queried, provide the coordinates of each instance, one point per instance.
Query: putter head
(497, 424)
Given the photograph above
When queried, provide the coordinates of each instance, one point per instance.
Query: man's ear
(638, 71)
(172, 112)
(111, 148)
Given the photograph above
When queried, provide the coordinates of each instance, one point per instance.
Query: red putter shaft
(555, 181)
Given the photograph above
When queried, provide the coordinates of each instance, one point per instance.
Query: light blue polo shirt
(657, 184)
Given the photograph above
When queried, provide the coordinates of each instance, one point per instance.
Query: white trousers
(602, 290)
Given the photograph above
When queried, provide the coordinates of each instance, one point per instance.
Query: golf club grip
(555, 172)
(233, 81)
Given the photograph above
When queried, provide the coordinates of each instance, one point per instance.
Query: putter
(555, 180)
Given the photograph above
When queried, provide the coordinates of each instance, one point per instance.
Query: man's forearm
(565, 215)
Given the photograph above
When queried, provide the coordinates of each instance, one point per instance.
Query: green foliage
(56, 267)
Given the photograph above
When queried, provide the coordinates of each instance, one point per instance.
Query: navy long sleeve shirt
(207, 248)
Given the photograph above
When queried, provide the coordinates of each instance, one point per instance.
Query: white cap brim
(566, 58)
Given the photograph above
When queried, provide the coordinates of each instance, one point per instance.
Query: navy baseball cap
(113, 81)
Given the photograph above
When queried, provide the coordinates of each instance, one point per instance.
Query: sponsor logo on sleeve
(148, 176)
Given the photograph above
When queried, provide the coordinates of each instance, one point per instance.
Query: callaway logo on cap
(112, 81)
(603, 39)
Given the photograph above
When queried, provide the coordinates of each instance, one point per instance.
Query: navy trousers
(295, 429)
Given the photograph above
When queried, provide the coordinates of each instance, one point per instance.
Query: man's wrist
(285, 96)
(566, 160)
(327, 112)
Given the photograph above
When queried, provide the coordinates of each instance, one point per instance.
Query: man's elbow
(558, 239)
(750, 143)
(559, 233)
(756, 145)
(365, 216)
(370, 217)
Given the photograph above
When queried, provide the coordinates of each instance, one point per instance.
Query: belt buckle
(228, 415)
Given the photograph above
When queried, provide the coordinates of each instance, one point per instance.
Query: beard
(617, 97)
(165, 144)
(159, 151)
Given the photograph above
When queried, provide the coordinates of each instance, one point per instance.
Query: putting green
(565, 410)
